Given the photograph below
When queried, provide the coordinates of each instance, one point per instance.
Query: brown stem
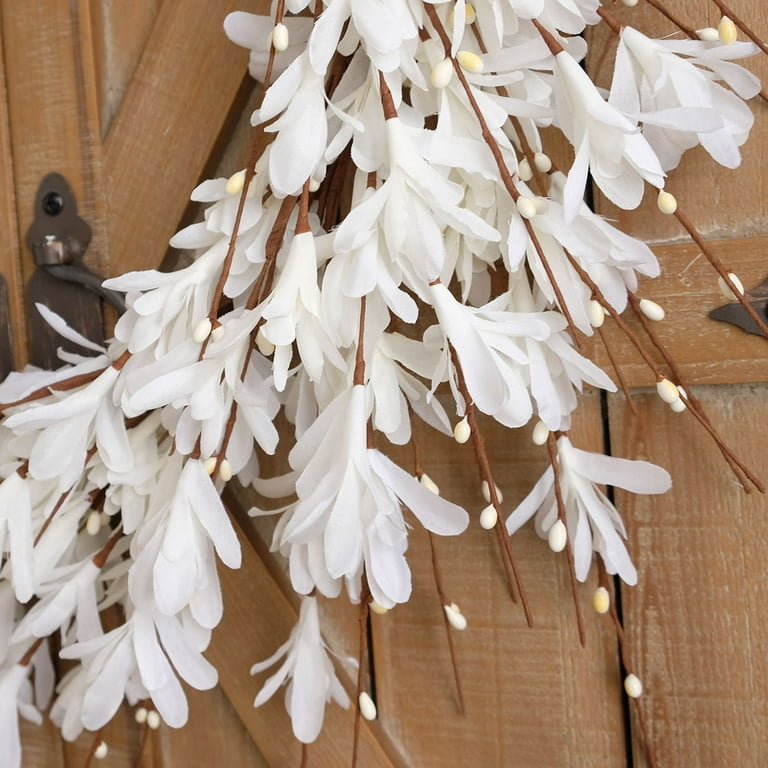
(359, 376)
(101, 557)
(60, 386)
(691, 401)
(448, 632)
(555, 464)
(714, 260)
(26, 659)
(90, 757)
(507, 555)
(552, 43)
(365, 596)
(617, 370)
(681, 25)
(607, 583)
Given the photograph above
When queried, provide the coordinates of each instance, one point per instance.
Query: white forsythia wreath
(407, 184)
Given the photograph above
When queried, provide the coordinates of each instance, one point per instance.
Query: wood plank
(688, 290)
(697, 625)
(121, 31)
(533, 697)
(53, 111)
(257, 619)
(41, 745)
(10, 257)
(723, 203)
(162, 135)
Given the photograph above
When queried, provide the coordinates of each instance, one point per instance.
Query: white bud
(633, 686)
(455, 617)
(235, 183)
(524, 170)
(708, 34)
(93, 523)
(379, 609)
(601, 600)
(726, 31)
(542, 162)
(629, 3)
(153, 719)
(462, 432)
(218, 333)
(101, 751)
(725, 289)
(652, 310)
(314, 184)
(442, 73)
(678, 406)
(429, 484)
(526, 207)
(263, 344)
(557, 537)
(210, 465)
(140, 716)
(202, 330)
(668, 392)
(486, 491)
(666, 202)
(488, 517)
(595, 313)
(540, 433)
(470, 61)
(367, 707)
(225, 470)
(280, 37)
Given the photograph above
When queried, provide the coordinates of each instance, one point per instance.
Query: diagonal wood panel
(697, 625)
(178, 100)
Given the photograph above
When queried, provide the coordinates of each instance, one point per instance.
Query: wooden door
(134, 103)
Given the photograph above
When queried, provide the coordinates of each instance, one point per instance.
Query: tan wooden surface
(133, 75)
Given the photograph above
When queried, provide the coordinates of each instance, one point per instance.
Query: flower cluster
(304, 301)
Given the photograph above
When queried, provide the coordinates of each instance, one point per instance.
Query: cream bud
(725, 289)
(140, 716)
(153, 719)
(93, 523)
(378, 609)
(667, 390)
(652, 310)
(557, 537)
(601, 600)
(633, 686)
(101, 751)
(666, 202)
(486, 491)
(462, 431)
(526, 207)
(542, 162)
(540, 433)
(595, 313)
(429, 484)
(455, 617)
(280, 37)
(442, 73)
(488, 517)
(726, 31)
(366, 705)
(524, 170)
(202, 330)
(225, 470)
(263, 344)
(469, 61)
(235, 183)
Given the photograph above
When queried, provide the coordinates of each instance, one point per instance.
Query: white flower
(607, 143)
(309, 673)
(349, 514)
(592, 521)
(679, 104)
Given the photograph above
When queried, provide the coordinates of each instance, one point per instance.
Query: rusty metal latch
(58, 238)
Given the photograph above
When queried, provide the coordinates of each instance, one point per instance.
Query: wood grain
(720, 201)
(708, 351)
(534, 697)
(698, 624)
(162, 134)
